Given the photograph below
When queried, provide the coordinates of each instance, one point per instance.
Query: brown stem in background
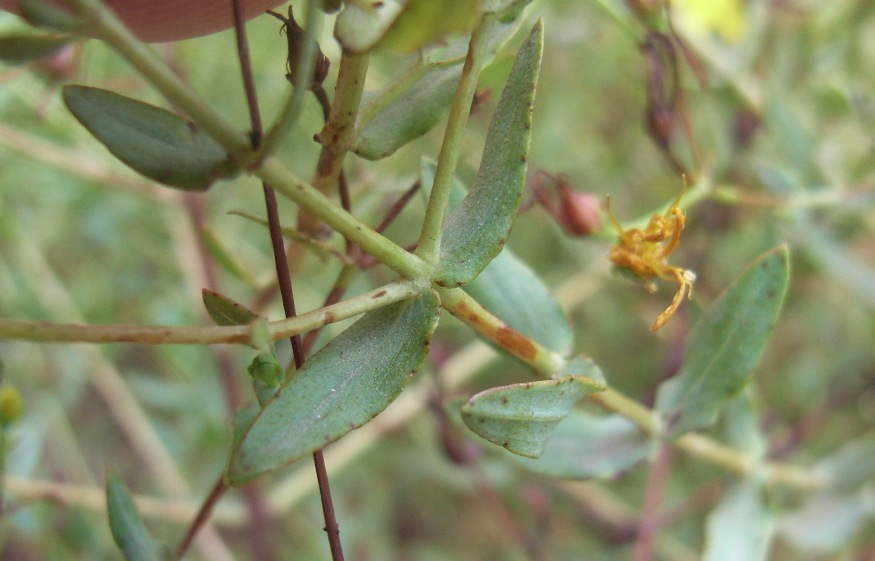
(648, 523)
(202, 517)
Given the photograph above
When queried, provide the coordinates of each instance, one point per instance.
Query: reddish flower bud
(579, 212)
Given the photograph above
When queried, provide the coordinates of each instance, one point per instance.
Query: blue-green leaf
(521, 417)
(725, 345)
(477, 229)
(827, 522)
(586, 446)
(405, 110)
(508, 288)
(340, 388)
(741, 526)
(154, 142)
(126, 526)
(851, 467)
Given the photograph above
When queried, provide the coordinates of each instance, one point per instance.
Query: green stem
(337, 134)
(463, 306)
(430, 236)
(404, 263)
(241, 334)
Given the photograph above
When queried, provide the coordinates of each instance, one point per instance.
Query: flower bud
(579, 212)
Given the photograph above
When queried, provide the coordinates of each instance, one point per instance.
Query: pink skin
(157, 21)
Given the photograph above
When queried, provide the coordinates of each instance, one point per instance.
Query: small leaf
(741, 527)
(477, 229)
(586, 446)
(226, 311)
(340, 388)
(156, 143)
(405, 110)
(521, 417)
(19, 49)
(126, 526)
(725, 345)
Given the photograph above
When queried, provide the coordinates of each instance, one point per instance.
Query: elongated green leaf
(226, 311)
(18, 49)
(741, 527)
(405, 110)
(725, 345)
(127, 528)
(156, 143)
(340, 388)
(508, 288)
(477, 229)
(586, 446)
(521, 417)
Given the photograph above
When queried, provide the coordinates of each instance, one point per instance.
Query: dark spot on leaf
(329, 317)
(524, 158)
(504, 401)
(379, 294)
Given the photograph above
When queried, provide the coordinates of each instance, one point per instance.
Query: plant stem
(38, 331)
(284, 276)
(317, 204)
(463, 306)
(430, 236)
(338, 131)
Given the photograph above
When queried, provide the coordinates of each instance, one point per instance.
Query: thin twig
(283, 275)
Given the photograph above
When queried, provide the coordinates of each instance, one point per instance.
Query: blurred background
(767, 105)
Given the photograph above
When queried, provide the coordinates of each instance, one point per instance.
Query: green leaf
(741, 526)
(586, 446)
(828, 522)
(156, 143)
(521, 417)
(340, 388)
(508, 288)
(226, 311)
(851, 467)
(401, 26)
(44, 14)
(477, 229)
(406, 109)
(19, 49)
(725, 345)
(126, 526)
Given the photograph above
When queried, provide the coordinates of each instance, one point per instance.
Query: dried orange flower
(645, 253)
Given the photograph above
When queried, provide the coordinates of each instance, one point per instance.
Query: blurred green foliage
(781, 113)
